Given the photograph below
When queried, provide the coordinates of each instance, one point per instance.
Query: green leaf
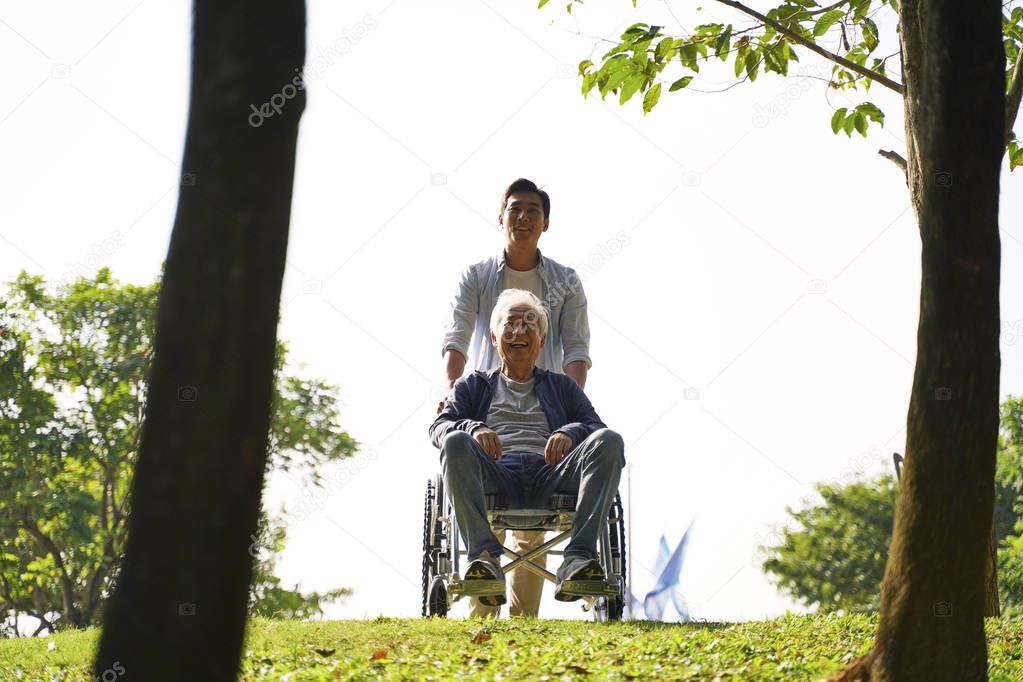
(629, 87)
(837, 119)
(826, 20)
(860, 123)
(869, 34)
(722, 43)
(849, 125)
(544, 2)
(752, 64)
(663, 48)
(651, 97)
(583, 66)
(871, 111)
(680, 83)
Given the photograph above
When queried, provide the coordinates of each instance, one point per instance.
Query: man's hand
(558, 445)
(488, 439)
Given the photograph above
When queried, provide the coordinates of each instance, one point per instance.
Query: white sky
(771, 265)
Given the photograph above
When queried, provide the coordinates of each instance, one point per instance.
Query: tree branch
(1012, 97)
(814, 47)
(894, 157)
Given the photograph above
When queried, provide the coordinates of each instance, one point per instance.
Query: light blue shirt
(568, 334)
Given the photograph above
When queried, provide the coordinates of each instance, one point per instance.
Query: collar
(491, 377)
(540, 262)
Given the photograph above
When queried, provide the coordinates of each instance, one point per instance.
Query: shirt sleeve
(575, 324)
(464, 309)
(456, 414)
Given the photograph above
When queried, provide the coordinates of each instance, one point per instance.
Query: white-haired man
(525, 216)
(525, 433)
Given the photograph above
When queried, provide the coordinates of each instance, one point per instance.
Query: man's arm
(575, 333)
(464, 309)
(454, 365)
(577, 370)
(456, 414)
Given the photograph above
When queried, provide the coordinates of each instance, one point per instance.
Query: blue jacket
(566, 407)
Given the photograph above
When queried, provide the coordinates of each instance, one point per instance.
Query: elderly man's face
(520, 340)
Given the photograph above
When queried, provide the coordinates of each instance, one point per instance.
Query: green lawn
(788, 648)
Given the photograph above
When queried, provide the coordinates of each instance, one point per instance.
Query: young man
(524, 216)
(526, 433)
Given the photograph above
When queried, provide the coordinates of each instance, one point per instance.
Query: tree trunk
(179, 607)
(931, 624)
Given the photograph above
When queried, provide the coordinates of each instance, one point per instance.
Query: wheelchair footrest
(587, 588)
(478, 588)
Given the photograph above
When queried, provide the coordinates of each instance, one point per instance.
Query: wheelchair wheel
(613, 608)
(435, 597)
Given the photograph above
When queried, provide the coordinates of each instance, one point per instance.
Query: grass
(788, 648)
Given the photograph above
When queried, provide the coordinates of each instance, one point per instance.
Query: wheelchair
(442, 553)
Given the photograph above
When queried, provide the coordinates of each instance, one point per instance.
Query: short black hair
(524, 185)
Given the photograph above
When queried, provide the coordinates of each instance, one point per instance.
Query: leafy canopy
(646, 57)
(73, 383)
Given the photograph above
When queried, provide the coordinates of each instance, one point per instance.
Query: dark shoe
(579, 576)
(484, 580)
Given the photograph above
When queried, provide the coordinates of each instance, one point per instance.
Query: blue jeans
(591, 471)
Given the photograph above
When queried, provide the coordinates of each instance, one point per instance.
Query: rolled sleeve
(575, 326)
(464, 309)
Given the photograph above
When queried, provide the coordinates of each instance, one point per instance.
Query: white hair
(517, 298)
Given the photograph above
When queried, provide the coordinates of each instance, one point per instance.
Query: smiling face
(523, 218)
(520, 341)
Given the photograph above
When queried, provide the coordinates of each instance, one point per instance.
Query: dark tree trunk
(179, 608)
(933, 597)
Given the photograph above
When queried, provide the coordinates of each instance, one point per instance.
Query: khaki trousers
(524, 586)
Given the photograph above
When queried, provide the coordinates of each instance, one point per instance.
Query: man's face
(523, 219)
(520, 341)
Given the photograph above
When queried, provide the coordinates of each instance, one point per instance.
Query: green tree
(647, 57)
(73, 385)
(961, 79)
(833, 553)
(1009, 509)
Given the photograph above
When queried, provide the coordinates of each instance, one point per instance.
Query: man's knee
(609, 447)
(456, 444)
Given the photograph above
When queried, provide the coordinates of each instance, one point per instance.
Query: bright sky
(755, 335)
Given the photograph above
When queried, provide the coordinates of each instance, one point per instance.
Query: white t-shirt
(517, 417)
(524, 279)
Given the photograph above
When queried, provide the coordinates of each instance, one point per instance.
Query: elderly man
(524, 217)
(526, 433)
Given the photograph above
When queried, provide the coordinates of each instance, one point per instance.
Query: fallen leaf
(325, 652)
(481, 637)
(579, 669)
(378, 654)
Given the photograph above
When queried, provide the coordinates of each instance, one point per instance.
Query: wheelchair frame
(442, 582)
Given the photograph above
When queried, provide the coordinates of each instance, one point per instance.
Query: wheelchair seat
(558, 502)
(442, 553)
